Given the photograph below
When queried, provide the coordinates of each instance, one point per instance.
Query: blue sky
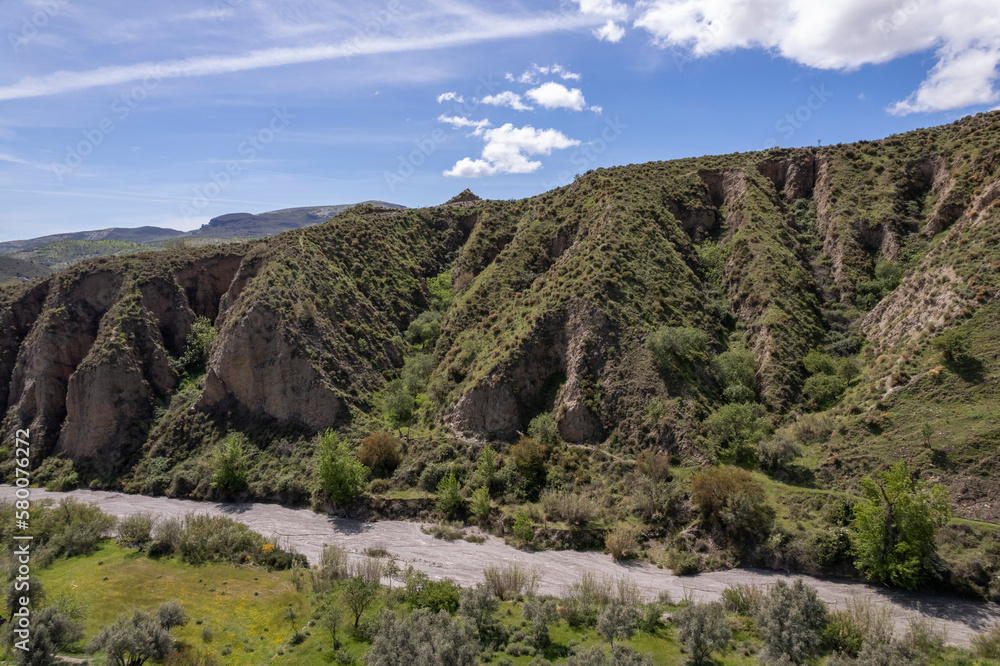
(117, 113)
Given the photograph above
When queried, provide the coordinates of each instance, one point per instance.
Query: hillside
(20, 270)
(60, 251)
(737, 309)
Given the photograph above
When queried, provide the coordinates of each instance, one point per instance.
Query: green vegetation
(341, 476)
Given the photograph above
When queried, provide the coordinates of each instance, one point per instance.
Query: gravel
(306, 532)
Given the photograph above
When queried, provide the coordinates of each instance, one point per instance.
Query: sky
(115, 113)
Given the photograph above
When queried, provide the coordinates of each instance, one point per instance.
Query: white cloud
(553, 95)
(485, 27)
(844, 35)
(506, 98)
(450, 97)
(507, 149)
(606, 8)
(458, 122)
(957, 81)
(610, 32)
(533, 74)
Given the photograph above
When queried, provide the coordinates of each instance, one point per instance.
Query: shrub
(617, 621)
(341, 477)
(736, 370)
(893, 532)
(952, 344)
(406, 641)
(480, 606)
(742, 598)
(818, 363)
(524, 526)
(437, 596)
(205, 538)
(986, 644)
(789, 618)
(51, 632)
(527, 457)
(813, 428)
(623, 542)
(673, 345)
(655, 501)
(380, 452)
(480, 504)
(778, 452)
(842, 634)
(230, 463)
(731, 498)
(399, 403)
(511, 579)
(703, 628)
(572, 507)
(449, 498)
(735, 430)
(135, 530)
(543, 429)
(621, 655)
(654, 465)
(143, 636)
(540, 613)
(822, 390)
(359, 594)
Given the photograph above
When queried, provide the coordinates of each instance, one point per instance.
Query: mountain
(129, 235)
(19, 269)
(60, 251)
(838, 301)
(274, 222)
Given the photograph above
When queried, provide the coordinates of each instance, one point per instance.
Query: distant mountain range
(35, 257)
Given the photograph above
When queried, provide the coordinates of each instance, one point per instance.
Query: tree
(736, 370)
(703, 628)
(736, 429)
(790, 618)
(621, 655)
(230, 463)
(892, 537)
(51, 631)
(616, 620)
(359, 594)
(481, 504)
(543, 428)
(132, 641)
(480, 606)
(449, 500)
(676, 345)
(331, 619)
(423, 639)
(540, 613)
(288, 613)
(197, 348)
(135, 530)
(340, 475)
(380, 452)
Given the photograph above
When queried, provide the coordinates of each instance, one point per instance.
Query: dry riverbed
(305, 532)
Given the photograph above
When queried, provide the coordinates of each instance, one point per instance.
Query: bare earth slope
(463, 562)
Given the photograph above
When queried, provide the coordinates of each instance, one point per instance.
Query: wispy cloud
(487, 28)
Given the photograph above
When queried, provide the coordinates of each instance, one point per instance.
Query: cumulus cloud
(608, 8)
(554, 95)
(533, 74)
(450, 97)
(506, 98)
(459, 122)
(844, 35)
(610, 32)
(507, 149)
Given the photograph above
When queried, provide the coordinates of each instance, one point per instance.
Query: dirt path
(463, 562)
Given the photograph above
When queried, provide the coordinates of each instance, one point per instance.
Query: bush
(571, 507)
(197, 348)
(703, 628)
(986, 644)
(821, 391)
(135, 530)
(742, 598)
(449, 498)
(617, 621)
(735, 430)
(341, 477)
(406, 641)
(621, 655)
(230, 463)
(818, 363)
(380, 452)
(655, 501)
(623, 542)
(543, 429)
(540, 613)
(653, 465)
(952, 344)
(205, 538)
(736, 370)
(509, 580)
(527, 457)
(437, 596)
(813, 428)
(789, 618)
(143, 636)
(730, 498)
(398, 402)
(674, 345)
(524, 526)
(480, 606)
(777, 452)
